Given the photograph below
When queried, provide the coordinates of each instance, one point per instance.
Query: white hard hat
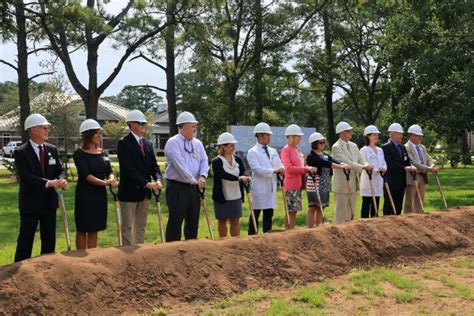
(35, 119)
(395, 127)
(88, 125)
(315, 137)
(136, 116)
(262, 128)
(293, 129)
(371, 129)
(185, 117)
(415, 129)
(342, 126)
(226, 138)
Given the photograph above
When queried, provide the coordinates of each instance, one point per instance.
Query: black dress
(90, 211)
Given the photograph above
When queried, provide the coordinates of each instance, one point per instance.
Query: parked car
(10, 148)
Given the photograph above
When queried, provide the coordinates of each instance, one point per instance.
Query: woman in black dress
(94, 176)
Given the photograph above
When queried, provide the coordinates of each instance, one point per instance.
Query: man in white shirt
(423, 162)
(265, 164)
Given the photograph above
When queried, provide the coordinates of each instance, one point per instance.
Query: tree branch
(41, 74)
(148, 86)
(149, 60)
(8, 64)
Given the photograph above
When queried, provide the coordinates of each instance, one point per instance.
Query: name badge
(52, 162)
(195, 156)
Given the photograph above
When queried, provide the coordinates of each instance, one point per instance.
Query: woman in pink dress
(295, 171)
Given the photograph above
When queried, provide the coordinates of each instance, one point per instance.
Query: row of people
(40, 173)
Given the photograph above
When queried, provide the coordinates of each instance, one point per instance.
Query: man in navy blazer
(398, 163)
(138, 167)
(39, 172)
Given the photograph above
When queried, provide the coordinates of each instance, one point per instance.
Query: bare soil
(139, 279)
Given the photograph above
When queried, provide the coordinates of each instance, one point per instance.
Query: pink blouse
(293, 160)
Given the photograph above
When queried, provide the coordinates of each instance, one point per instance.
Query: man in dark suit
(398, 163)
(40, 172)
(137, 168)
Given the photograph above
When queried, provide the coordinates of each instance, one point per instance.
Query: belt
(181, 183)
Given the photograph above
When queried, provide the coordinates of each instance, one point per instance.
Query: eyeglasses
(141, 123)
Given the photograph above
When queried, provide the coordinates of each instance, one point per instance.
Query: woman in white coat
(374, 156)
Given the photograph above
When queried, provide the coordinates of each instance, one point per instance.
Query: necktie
(142, 146)
(348, 147)
(399, 148)
(42, 160)
(266, 151)
(420, 157)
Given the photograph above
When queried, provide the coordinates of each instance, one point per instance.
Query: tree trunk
(93, 95)
(328, 91)
(22, 67)
(259, 88)
(170, 68)
(91, 102)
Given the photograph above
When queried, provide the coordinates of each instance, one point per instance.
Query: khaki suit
(351, 156)
(412, 203)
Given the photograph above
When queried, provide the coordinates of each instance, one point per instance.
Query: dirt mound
(129, 279)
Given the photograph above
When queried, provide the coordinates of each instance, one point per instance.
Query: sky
(136, 72)
(133, 73)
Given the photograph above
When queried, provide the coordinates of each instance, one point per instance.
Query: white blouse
(231, 189)
(378, 161)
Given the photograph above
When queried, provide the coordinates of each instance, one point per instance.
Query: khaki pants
(412, 202)
(134, 217)
(342, 207)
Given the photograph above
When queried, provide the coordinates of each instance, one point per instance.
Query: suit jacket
(295, 170)
(33, 195)
(422, 168)
(136, 170)
(396, 174)
(220, 174)
(352, 157)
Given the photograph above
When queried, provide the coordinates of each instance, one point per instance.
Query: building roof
(106, 111)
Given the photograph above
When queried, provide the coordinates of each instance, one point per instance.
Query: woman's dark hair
(87, 138)
(367, 140)
(314, 145)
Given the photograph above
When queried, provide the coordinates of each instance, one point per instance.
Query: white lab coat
(263, 177)
(378, 161)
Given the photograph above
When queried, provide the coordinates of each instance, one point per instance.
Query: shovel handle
(413, 174)
(157, 195)
(347, 173)
(201, 192)
(369, 173)
(113, 193)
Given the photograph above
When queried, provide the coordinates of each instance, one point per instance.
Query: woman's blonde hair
(220, 150)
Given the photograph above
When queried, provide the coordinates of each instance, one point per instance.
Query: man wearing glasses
(40, 172)
(187, 171)
(138, 167)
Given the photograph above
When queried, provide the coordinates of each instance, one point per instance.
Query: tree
(137, 98)
(15, 27)
(430, 47)
(69, 26)
(115, 130)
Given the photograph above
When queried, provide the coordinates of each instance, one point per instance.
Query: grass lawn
(457, 184)
(429, 288)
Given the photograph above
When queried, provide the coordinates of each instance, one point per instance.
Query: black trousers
(28, 224)
(368, 208)
(267, 220)
(184, 204)
(397, 195)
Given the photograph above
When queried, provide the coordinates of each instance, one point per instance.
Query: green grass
(245, 299)
(457, 184)
(315, 296)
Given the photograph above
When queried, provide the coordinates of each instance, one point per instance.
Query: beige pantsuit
(134, 218)
(412, 202)
(348, 153)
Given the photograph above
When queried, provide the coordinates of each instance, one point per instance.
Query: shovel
(252, 213)
(374, 200)
(158, 211)
(440, 189)
(349, 189)
(206, 212)
(64, 216)
(389, 193)
(281, 179)
(118, 215)
(413, 174)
